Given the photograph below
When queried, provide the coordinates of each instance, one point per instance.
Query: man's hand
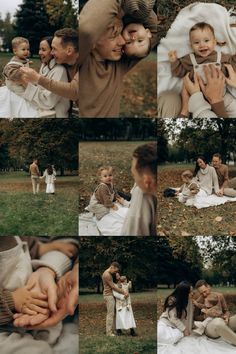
(30, 75)
(231, 80)
(191, 87)
(213, 90)
(69, 285)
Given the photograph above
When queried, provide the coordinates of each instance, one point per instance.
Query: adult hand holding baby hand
(28, 301)
(30, 75)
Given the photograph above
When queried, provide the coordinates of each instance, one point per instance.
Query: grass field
(92, 326)
(92, 155)
(139, 98)
(25, 214)
(176, 219)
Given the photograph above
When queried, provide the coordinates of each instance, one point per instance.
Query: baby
(211, 309)
(136, 35)
(137, 40)
(11, 71)
(121, 301)
(189, 189)
(102, 199)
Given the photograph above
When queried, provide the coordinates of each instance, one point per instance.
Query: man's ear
(70, 50)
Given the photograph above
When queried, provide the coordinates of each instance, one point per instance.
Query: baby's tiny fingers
(38, 309)
(40, 303)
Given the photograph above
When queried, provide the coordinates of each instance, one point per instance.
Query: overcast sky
(9, 6)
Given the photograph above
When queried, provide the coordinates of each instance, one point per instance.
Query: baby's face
(203, 42)
(22, 51)
(106, 176)
(137, 39)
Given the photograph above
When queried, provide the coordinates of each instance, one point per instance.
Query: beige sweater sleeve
(68, 90)
(103, 196)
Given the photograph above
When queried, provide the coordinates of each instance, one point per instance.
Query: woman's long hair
(49, 169)
(180, 296)
(197, 168)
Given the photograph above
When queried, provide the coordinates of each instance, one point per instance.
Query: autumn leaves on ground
(92, 326)
(177, 219)
(23, 214)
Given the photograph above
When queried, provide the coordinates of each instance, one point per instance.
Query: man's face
(110, 45)
(113, 270)
(204, 290)
(59, 52)
(216, 161)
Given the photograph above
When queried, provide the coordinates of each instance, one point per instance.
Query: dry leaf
(218, 218)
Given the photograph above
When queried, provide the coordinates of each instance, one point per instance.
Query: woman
(37, 99)
(50, 177)
(177, 318)
(206, 176)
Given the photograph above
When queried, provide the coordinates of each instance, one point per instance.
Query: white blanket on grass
(197, 345)
(177, 38)
(202, 200)
(110, 225)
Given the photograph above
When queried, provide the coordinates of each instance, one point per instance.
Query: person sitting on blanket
(175, 322)
(205, 176)
(189, 189)
(124, 312)
(102, 199)
(227, 186)
(203, 42)
(225, 326)
(210, 309)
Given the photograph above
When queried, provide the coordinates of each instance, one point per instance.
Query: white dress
(50, 181)
(125, 316)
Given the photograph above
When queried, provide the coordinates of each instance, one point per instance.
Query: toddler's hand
(204, 310)
(172, 56)
(120, 200)
(114, 207)
(30, 302)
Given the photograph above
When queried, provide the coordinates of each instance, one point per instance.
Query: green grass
(92, 155)
(175, 219)
(92, 326)
(25, 214)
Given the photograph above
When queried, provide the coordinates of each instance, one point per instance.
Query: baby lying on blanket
(189, 189)
(211, 309)
(203, 43)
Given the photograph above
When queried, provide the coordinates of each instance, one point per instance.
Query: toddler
(136, 36)
(102, 199)
(211, 309)
(203, 43)
(11, 72)
(189, 189)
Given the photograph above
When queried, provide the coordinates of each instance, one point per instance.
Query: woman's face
(201, 163)
(45, 52)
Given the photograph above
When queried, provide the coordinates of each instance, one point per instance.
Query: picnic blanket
(177, 38)
(197, 345)
(110, 225)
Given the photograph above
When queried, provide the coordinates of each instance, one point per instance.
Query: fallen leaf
(218, 218)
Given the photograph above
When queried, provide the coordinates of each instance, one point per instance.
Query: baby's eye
(206, 40)
(196, 42)
(140, 40)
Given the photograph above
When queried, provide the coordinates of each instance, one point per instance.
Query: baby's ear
(148, 33)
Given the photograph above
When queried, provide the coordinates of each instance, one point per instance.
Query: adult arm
(224, 306)
(108, 281)
(215, 181)
(94, 19)
(44, 98)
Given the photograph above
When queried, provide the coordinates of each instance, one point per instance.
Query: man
(219, 327)
(101, 65)
(35, 174)
(65, 49)
(109, 285)
(141, 216)
(227, 186)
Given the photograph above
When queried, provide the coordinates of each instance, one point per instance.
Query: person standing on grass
(50, 177)
(35, 174)
(108, 286)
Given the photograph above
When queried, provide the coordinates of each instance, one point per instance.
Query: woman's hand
(30, 75)
(213, 90)
(186, 332)
(231, 80)
(191, 87)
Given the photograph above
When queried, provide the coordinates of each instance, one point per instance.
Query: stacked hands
(43, 302)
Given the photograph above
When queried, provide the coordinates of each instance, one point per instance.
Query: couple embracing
(205, 312)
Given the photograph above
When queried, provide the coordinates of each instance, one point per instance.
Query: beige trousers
(218, 328)
(169, 105)
(230, 189)
(35, 184)
(110, 319)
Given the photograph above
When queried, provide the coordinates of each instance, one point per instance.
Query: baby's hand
(30, 302)
(120, 200)
(172, 56)
(204, 310)
(114, 207)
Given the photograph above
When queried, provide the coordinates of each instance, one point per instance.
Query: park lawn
(92, 326)
(175, 219)
(139, 98)
(92, 155)
(25, 214)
